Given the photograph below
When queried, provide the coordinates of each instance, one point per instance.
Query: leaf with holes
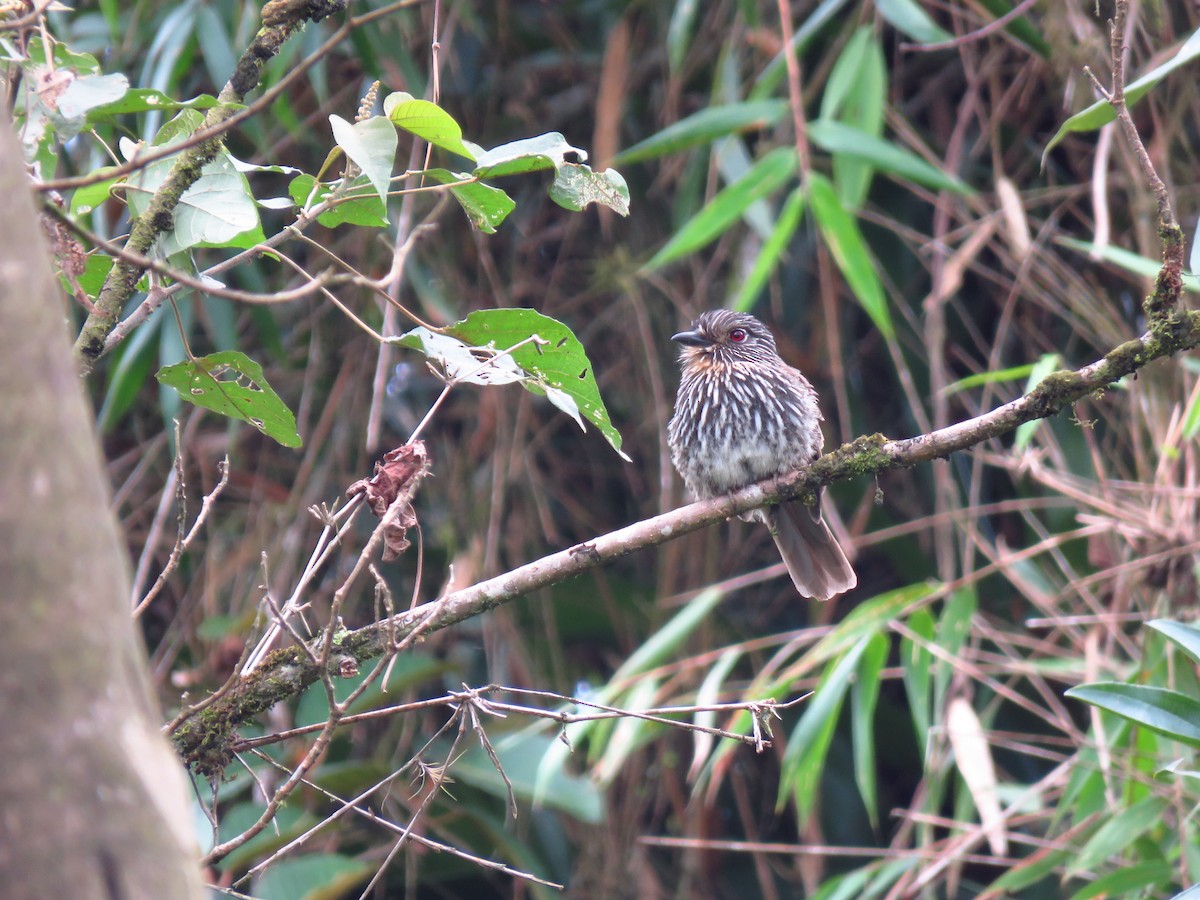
(576, 185)
(553, 365)
(232, 384)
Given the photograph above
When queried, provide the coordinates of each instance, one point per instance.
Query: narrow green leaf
(850, 252)
(1046, 364)
(808, 745)
(1113, 838)
(665, 642)
(704, 127)
(1165, 711)
(1130, 881)
(427, 121)
(864, 696)
(846, 140)
(312, 877)
(856, 94)
(768, 174)
(1000, 376)
(1101, 112)
(1029, 872)
(953, 629)
(908, 16)
(772, 249)
(576, 795)
(630, 732)
(767, 84)
(371, 145)
(1187, 637)
(485, 206)
(679, 32)
(233, 385)
(1129, 261)
(916, 662)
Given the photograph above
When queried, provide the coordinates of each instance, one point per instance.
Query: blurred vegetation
(921, 256)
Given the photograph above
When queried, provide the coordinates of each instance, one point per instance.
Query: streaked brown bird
(742, 415)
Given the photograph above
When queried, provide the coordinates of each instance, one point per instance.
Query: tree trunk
(93, 804)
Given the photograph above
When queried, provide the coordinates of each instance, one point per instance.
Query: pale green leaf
(849, 250)
(1101, 112)
(1165, 711)
(768, 174)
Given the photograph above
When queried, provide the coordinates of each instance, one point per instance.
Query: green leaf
(1028, 872)
(218, 210)
(555, 365)
(519, 753)
(726, 207)
(1016, 373)
(813, 23)
(1162, 710)
(359, 204)
(665, 643)
(88, 92)
(314, 876)
(808, 745)
(846, 140)
(1046, 364)
(679, 32)
(139, 100)
(1101, 112)
(915, 663)
(462, 362)
(1117, 833)
(856, 94)
(1129, 881)
(576, 186)
(1128, 260)
(907, 16)
(704, 127)
(850, 252)
(484, 205)
(661, 646)
(864, 696)
(546, 151)
(427, 121)
(772, 249)
(1186, 636)
(371, 145)
(233, 385)
(953, 629)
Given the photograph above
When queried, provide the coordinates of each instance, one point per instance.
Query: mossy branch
(208, 740)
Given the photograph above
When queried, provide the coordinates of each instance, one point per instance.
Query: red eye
(737, 335)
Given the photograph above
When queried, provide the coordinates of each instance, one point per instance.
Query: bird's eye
(737, 335)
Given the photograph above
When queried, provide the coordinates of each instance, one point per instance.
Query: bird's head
(722, 337)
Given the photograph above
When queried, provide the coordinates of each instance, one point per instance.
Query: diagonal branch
(205, 740)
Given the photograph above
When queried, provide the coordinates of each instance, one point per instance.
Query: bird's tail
(818, 567)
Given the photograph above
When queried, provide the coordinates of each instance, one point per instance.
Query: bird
(743, 415)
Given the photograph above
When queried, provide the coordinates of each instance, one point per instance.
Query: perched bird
(742, 415)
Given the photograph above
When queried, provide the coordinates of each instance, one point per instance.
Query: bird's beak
(691, 339)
